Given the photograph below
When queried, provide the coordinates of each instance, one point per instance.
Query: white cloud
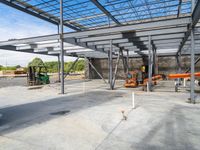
(16, 25)
(9, 58)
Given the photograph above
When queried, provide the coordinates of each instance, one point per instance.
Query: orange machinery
(182, 75)
(132, 79)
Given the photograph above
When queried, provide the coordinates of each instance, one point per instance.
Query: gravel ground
(89, 117)
(7, 82)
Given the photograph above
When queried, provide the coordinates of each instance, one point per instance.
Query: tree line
(51, 66)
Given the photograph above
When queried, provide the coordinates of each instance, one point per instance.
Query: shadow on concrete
(22, 116)
(170, 133)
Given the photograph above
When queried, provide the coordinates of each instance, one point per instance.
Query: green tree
(80, 65)
(36, 62)
(18, 66)
(52, 66)
(1, 67)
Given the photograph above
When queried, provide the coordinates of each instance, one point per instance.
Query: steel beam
(136, 35)
(126, 28)
(167, 41)
(83, 44)
(104, 42)
(133, 39)
(95, 2)
(192, 23)
(9, 47)
(13, 48)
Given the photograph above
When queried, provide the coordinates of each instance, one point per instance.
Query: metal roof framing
(47, 18)
(194, 20)
(105, 11)
(129, 30)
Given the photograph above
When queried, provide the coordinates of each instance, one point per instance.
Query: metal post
(61, 47)
(155, 62)
(192, 78)
(193, 5)
(123, 60)
(178, 69)
(58, 67)
(179, 60)
(127, 59)
(58, 30)
(149, 66)
(115, 72)
(110, 66)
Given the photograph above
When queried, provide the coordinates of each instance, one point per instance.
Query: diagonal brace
(72, 66)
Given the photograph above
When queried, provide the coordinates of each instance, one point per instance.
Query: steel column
(109, 78)
(127, 59)
(108, 67)
(123, 61)
(58, 67)
(62, 48)
(115, 72)
(111, 65)
(178, 68)
(192, 78)
(179, 59)
(149, 66)
(58, 56)
(155, 62)
(192, 55)
(178, 62)
(193, 5)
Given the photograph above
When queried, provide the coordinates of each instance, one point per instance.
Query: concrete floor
(89, 117)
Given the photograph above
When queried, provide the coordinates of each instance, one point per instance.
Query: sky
(16, 24)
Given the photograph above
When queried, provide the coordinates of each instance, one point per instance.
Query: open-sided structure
(113, 29)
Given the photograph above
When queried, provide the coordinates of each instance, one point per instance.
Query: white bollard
(147, 86)
(133, 100)
(184, 82)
